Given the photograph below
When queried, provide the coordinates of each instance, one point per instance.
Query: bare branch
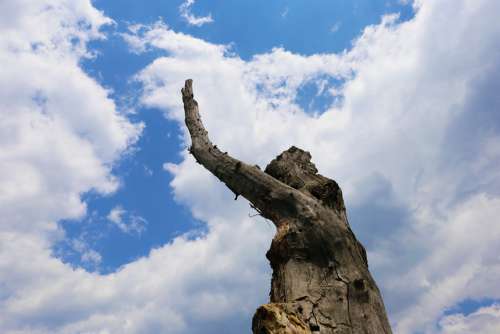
(242, 179)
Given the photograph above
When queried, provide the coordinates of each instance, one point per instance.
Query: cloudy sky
(109, 226)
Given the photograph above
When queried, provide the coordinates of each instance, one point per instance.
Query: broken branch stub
(321, 282)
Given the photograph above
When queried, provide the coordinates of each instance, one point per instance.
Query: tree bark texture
(321, 282)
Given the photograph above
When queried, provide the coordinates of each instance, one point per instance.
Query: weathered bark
(321, 282)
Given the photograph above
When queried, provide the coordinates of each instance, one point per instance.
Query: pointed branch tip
(187, 91)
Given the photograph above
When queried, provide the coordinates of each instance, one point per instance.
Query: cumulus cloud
(407, 128)
(191, 19)
(60, 135)
(143, 37)
(486, 320)
(411, 100)
(59, 130)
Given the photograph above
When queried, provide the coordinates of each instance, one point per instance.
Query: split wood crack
(321, 283)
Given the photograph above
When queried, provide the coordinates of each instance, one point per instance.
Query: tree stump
(321, 283)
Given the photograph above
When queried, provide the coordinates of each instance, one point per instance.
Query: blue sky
(250, 28)
(109, 225)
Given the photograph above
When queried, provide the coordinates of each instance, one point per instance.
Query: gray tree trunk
(321, 282)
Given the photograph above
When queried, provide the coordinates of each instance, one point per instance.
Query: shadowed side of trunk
(321, 282)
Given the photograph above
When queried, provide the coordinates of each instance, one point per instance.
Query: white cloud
(116, 214)
(486, 320)
(88, 255)
(459, 266)
(142, 37)
(127, 223)
(336, 27)
(414, 96)
(59, 136)
(59, 130)
(413, 100)
(185, 11)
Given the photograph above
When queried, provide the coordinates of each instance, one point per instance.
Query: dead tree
(321, 282)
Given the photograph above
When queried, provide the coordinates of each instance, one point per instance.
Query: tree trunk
(321, 282)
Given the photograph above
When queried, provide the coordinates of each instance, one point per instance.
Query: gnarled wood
(321, 282)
